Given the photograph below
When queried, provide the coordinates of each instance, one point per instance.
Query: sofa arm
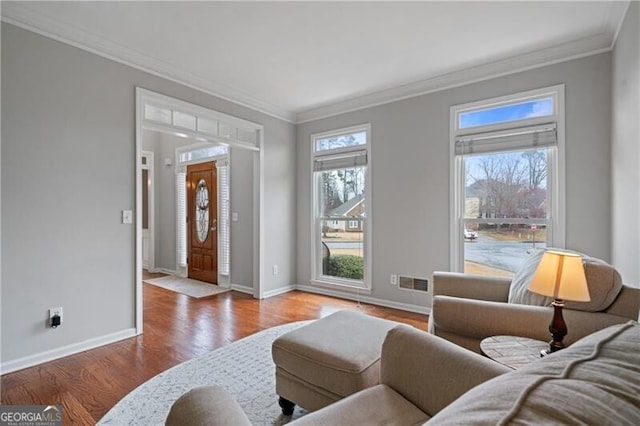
(431, 372)
(473, 320)
(469, 286)
(210, 405)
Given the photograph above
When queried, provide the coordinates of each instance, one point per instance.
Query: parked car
(470, 234)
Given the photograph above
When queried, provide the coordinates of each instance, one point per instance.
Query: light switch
(234, 216)
(127, 216)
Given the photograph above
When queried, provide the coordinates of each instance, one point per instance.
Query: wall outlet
(53, 312)
(275, 269)
(394, 279)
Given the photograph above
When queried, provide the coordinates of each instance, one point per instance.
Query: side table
(513, 351)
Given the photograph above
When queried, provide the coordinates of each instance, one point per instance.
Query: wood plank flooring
(176, 329)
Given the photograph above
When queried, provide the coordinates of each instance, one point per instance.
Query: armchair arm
(471, 286)
(209, 405)
(422, 368)
(467, 321)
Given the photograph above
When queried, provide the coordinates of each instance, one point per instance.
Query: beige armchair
(467, 308)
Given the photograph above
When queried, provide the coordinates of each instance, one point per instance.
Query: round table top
(513, 351)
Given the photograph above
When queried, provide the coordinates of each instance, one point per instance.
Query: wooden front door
(202, 218)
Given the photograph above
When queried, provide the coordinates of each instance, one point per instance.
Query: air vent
(411, 283)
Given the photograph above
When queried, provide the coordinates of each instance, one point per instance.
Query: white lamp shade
(561, 275)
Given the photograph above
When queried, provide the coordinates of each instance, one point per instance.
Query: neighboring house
(353, 208)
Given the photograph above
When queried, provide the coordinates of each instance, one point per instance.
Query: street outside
(485, 256)
(344, 243)
(491, 256)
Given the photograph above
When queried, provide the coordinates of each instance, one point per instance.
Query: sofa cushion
(603, 280)
(594, 381)
(378, 405)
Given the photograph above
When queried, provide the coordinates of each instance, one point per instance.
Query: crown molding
(537, 59)
(20, 15)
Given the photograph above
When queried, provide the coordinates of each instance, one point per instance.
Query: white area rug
(244, 368)
(187, 286)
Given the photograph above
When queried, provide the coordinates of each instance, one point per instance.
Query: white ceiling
(304, 60)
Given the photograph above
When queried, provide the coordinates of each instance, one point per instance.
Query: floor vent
(410, 283)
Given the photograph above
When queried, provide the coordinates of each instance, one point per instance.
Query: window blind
(181, 194)
(223, 219)
(539, 136)
(340, 161)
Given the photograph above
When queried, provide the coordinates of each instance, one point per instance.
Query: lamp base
(557, 328)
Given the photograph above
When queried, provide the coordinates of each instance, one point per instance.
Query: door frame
(149, 166)
(230, 130)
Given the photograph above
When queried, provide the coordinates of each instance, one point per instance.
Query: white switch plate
(127, 216)
(275, 269)
(234, 216)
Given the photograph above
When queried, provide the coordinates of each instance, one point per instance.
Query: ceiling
(305, 60)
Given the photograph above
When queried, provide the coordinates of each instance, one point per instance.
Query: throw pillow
(518, 291)
(603, 280)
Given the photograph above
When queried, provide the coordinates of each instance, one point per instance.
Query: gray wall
(68, 153)
(626, 149)
(242, 239)
(410, 179)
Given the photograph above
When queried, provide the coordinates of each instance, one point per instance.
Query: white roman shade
(531, 137)
(340, 161)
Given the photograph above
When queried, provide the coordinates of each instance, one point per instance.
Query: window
(341, 208)
(507, 183)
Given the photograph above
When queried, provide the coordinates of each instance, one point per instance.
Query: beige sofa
(425, 379)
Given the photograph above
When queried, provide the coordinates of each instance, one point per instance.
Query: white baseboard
(366, 299)
(53, 354)
(242, 288)
(279, 291)
(164, 271)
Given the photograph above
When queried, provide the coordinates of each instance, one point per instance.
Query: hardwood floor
(176, 328)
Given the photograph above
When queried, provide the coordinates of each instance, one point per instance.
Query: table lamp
(559, 275)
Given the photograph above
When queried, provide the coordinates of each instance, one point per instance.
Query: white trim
(164, 271)
(367, 222)
(21, 15)
(555, 168)
(151, 206)
(278, 291)
(259, 274)
(53, 354)
(139, 308)
(565, 52)
(242, 288)
(420, 309)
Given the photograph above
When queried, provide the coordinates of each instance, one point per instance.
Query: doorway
(170, 116)
(202, 220)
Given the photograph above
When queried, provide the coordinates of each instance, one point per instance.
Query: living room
(68, 118)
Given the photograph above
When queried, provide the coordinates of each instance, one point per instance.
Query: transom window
(507, 183)
(341, 208)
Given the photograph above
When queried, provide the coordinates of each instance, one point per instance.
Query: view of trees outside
(511, 186)
(341, 209)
